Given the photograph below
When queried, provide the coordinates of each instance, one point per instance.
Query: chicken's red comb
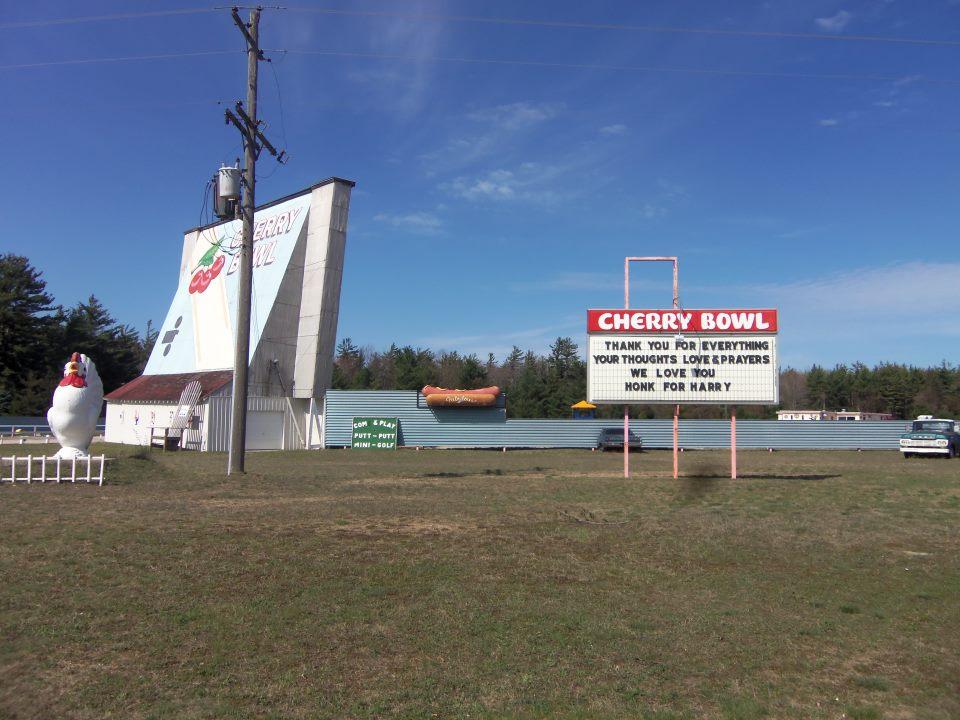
(75, 357)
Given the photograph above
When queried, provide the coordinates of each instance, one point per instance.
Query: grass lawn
(461, 584)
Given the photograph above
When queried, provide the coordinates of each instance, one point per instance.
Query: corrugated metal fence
(454, 427)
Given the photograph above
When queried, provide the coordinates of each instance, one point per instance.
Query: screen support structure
(676, 408)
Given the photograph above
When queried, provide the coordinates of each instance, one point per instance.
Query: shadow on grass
(481, 473)
(756, 476)
(696, 487)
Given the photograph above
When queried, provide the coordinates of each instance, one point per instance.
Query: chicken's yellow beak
(73, 368)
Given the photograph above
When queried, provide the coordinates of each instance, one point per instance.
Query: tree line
(547, 385)
(37, 337)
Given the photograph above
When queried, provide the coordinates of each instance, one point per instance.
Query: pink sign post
(733, 446)
(626, 408)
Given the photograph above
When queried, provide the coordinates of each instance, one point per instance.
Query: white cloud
(495, 185)
(569, 281)
(907, 80)
(803, 232)
(652, 211)
(660, 201)
(529, 182)
(828, 122)
(835, 23)
(572, 282)
(537, 339)
(886, 295)
(495, 131)
(418, 223)
(516, 115)
(403, 93)
(618, 129)
(890, 313)
(895, 313)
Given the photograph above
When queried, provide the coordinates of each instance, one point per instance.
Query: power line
(93, 61)
(103, 18)
(631, 28)
(914, 78)
(559, 24)
(629, 68)
(276, 82)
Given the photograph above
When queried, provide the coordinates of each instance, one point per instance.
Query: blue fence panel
(489, 427)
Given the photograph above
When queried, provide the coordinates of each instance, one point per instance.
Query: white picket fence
(27, 468)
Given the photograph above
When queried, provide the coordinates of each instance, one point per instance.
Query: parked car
(612, 439)
(931, 436)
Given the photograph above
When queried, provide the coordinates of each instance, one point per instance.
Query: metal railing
(39, 430)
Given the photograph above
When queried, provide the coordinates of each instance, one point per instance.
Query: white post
(73, 469)
(43, 469)
(322, 423)
(310, 411)
(58, 468)
(89, 460)
(29, 468)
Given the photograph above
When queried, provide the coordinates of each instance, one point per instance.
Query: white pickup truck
(931, 436)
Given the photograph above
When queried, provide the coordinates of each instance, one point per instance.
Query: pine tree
(817, 388)
(116, 349)
(566, 378)
(472, 373)
(28, 324)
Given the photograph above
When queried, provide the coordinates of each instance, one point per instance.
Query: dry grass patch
(520, 584)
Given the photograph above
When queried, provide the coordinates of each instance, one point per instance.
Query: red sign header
(682, 321)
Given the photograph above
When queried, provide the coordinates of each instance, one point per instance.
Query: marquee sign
(677, 357)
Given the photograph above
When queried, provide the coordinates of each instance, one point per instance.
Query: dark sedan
(612, 439)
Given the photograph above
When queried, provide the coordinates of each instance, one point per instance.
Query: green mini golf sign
(375, 433)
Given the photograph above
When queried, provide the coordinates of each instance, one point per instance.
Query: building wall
(836, 415)
(290, 413)
(800, 415)
(128, 423)
(453, 427)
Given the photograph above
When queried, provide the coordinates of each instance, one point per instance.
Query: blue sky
(495, 200)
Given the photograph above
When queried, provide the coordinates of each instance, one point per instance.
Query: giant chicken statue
(76, 407)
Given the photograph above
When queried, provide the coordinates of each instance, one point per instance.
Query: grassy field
(461, 584)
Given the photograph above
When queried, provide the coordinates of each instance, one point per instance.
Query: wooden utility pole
(246, 122)
(241, 349)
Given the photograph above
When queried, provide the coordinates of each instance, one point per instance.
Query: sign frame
(382, 440)
(700, 325)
